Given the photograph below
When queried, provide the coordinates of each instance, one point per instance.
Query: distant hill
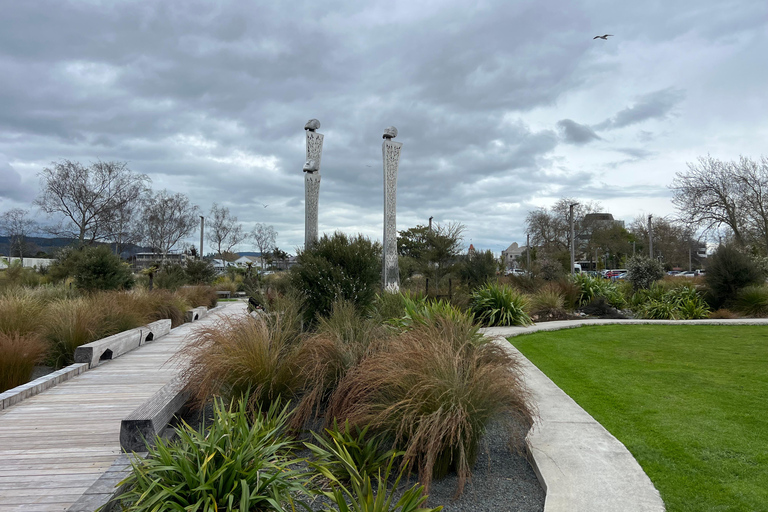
(50, 246)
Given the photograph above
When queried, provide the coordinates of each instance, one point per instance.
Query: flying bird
(264, 205)
(605, 37)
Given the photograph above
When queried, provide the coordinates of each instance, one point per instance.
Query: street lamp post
(573, 253)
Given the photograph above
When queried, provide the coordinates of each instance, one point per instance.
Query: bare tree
(223, 230)
(89, 197)
(671, 240)
(16, 225)
(709, 195)
(264, 237)
(752, 178)
(550, 228)
(167, 219)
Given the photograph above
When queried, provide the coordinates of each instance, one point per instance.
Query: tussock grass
(199, 296)
(18, 355)
(499, 305)
(236, 356)
(752, 301)
(20, 312)
(723, 314)
(161, 304)
(548, 303)
(433, 388)
(117, 312)
(69, 324)
(339, 343)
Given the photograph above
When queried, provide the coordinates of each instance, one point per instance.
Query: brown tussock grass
(239, 355)
(18, 355)
(199, 296)
(339, 343)
(433, 389)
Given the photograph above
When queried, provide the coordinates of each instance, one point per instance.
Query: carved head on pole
(311, 166)
(390, 133)
(312, 125)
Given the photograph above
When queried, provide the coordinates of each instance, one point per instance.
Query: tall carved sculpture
(312, 181)
(391, 153)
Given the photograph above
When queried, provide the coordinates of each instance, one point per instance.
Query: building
(511, 253)
(5, 262)
(142, 260)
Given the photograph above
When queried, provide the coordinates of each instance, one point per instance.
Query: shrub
(199, 271)
(593, 287)
(478, 268)
(499, 305)
(17, 275)
(643, 271)
(235, 356)
(550, 270)
(681, 302)
(170, 277)
(241, 463)
(728, 271)
(753, 301)
(433, 389)
(337, 267)
(18, 355)
(97, 268)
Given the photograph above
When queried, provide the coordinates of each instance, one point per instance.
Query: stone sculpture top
(311, 166)
(390, 133)
(312, 125)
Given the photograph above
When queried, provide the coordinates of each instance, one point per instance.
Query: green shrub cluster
(591, 287)
(336, 268)
(643, 271)
(728, 271)
(678, 303)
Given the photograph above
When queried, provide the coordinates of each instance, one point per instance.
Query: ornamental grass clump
(752, 301)
(18, 355)
(199, 296)
(20, 312)
(244, 355)
(499, 305)
(338, 344)
(69, 324)
(548, 303)
(432, 389)
(422, 310)
(660, 302)
(243, 462)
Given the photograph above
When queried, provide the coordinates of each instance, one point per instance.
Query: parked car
(611, 274)
(687, 273)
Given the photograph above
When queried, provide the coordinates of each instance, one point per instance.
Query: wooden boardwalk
(55, 445)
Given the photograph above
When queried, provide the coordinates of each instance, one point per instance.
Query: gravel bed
(502, 480)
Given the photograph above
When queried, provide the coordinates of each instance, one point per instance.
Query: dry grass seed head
(18, 355)
(236, 355)
(433, 389)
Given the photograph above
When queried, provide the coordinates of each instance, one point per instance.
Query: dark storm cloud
(574, 133)
(655, 105)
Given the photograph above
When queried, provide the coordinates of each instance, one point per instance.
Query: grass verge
(687, 401)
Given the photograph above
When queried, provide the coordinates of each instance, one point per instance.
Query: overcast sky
(501, 106)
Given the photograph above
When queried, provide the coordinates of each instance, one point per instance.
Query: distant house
(243, 261)
(142, 260)
(511, 253)
(28, 262)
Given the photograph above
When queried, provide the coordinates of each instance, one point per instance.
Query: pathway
(55, 445)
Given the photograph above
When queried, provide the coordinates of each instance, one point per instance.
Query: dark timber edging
(150, 418)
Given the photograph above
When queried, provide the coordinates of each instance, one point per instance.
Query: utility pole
(528, 252)
(633, 247)
(430, 224)
(650, 236)
(202, 227)
(573, 253)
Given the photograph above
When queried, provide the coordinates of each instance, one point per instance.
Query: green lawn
(689, 402)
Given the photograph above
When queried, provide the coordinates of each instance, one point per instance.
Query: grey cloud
(655, 105)
(636, 153)
(13, 188)
(575, 133)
